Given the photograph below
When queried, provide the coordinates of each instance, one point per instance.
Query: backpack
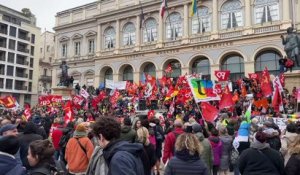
(64, 140)
(234, 156)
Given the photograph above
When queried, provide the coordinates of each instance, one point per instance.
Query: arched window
(269, 59)
(150, 30)
(128, 74)
(235, 64)
(174, 26)
(266, 11)
(202, 66)
(231, 14)
(201, 21)
(150, 69)
(108, 74)
(109, 38)
(129, 34)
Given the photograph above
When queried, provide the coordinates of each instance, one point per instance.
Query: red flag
(209, 112)
(151, 114)
(265, 83)
(44, 100)
(27, 111)
(163, 8)
(226, 100)
(169, 69)
(150, 79)
(253, 76)
(77, 100)
(222, 75)
(282, 79)
(8, 102)
(262, 103)
(171, 110)
(69, 116)
(277, 101)
(218, 88)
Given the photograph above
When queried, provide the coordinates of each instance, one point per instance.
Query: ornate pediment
(64, 38)
(90, 33)
(76, 36)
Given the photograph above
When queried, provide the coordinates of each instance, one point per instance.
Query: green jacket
(128, 134)
(207, 154)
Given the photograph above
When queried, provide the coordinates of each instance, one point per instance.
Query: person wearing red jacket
(170, 140)
(56, 135)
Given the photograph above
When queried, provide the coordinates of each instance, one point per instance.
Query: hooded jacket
(170, 144)
(261, 159)
(123, 158)
(285, 141)
(9, 165)
(216, 145)
(128, 134)
(207, 153)
(184, 163)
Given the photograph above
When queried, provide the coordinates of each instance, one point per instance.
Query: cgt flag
(8, 102)
(202, 90)
(222, 75)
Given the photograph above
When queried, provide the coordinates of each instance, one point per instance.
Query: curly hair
(43, 149)
(143, 136)
(108, 127)
(190, 142)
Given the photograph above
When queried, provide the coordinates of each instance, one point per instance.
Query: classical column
(185, 70)
(99, 39)
(248, 15)
(116, 77)
(136, 77)
(215, 16)
(160, 32)
(54, 77)
(213, 68)
(249, 67)
(138, 31)
(285, 10)
(186, 21)
(118, 34)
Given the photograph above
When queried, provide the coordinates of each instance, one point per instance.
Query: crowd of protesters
(117, 140)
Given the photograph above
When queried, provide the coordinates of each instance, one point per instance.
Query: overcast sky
(44, 10)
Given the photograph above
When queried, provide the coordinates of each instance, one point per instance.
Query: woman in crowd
(260, 158)
(137, 124)
(40, 154)
(216, 145)
(292, 167)
(187, 157)
(143, 137)
(227, 146)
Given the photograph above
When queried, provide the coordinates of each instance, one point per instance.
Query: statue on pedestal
(291, 45)
(65, 80)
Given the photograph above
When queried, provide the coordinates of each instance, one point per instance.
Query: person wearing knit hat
(79, 150)
(9, 145)
(260, 158)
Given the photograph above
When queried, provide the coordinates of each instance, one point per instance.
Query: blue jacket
(123, 158)
(10, 166)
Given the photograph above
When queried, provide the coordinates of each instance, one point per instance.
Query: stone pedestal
(292, 79)
(65, 92)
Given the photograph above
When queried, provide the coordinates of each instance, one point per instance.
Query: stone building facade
(109, 40)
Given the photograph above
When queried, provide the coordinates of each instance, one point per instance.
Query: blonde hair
(190, 142)
(143, 136)
(294, 147)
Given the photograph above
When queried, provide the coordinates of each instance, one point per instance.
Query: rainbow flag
(293, 116)
(202, 90)
(194, 7)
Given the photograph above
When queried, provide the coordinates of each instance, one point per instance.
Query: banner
(277, 83)
(8, 102)
(110, 84)
(222, 75)
(203, 90)
(209, 112)
(253, 76)
(48, 100)
(84, 93)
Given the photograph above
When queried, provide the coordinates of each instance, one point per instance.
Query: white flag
(84, 93)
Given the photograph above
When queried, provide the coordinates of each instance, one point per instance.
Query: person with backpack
(169, 147)
(121, 157)
(67, 134)
(260, 158)
(40, 156)
(79, 150)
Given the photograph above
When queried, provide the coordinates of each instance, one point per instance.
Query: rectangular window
(12, 44)
(45, 72)
(41, 50)
(200, 25)
(9, 84)
(11, 57)
(150, 35)
(32, 38)
(2, 68)
(50, 59)
(30, 86)
(30, 74)
(109, 42)
(77, 48)
(90, 82)
(266, 13)
(64, 50)
(10, 71)
(32, 50)
(231, 20)
(48, 48)
(12, 31)
(1, 83)
(92, 46)
(31, 62)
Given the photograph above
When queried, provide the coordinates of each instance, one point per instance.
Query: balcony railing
(21, 88)
(172, 43)
(21, 75)
(231, 34)
(21, 62)
(45, 78)
(200, 39)
(23, 50)
(267, 29)
(148, 46)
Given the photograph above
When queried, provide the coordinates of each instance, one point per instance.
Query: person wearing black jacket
(260, 158)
